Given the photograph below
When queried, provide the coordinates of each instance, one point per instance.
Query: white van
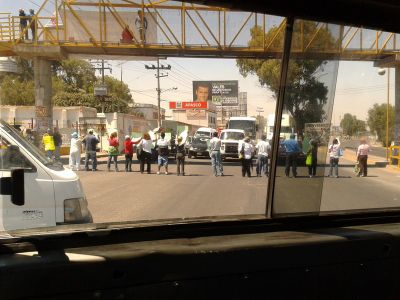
(230, 139)
(34, 191)
(204, 132)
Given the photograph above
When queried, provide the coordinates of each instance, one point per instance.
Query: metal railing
(394, 156)
(185, 27)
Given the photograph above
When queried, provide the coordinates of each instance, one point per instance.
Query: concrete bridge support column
(43, 95)
(397, 106)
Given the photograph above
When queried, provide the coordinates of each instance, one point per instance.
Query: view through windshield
(123, 128)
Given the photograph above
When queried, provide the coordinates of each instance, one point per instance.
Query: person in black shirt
(23, 22)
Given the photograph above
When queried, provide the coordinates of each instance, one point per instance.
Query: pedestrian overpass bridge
(88, 28)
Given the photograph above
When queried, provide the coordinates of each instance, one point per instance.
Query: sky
(358, 84)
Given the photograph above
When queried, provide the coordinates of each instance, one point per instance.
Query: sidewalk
(350, 155)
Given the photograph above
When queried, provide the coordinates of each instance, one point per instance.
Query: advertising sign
(188, 105)
(223, 93)
(196, 114)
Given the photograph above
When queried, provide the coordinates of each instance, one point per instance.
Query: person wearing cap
(75, 152)
(48, 143)
(90, 142)
(180, 157)
(292, 151)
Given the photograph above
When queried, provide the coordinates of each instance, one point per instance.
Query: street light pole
(387, 115)
(382, 72)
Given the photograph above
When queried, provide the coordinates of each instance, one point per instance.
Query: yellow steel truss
(183, 29)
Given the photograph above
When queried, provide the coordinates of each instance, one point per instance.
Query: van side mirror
(14, 186)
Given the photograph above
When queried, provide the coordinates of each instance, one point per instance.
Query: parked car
(199, 147)
(301, 158)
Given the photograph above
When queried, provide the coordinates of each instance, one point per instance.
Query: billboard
(219, 92)
(188, 105)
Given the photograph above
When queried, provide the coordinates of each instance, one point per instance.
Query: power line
(189, 72)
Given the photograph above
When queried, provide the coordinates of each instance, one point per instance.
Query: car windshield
(232, 136)
(225, 69)
(202, 134)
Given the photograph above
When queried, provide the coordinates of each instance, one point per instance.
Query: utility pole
(158, 76)
(101, 69)
(260, 110)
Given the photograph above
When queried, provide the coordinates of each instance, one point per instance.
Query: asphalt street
(121, 196)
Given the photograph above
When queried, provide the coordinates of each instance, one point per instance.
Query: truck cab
(34, 190)
(230, 139)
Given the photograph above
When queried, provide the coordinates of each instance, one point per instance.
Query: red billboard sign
(188, 105)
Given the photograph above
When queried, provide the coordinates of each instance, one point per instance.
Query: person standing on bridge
(362, 158)
(23, 23)
(292, 151)
(141, 25)
(32, 23)
(215, 154)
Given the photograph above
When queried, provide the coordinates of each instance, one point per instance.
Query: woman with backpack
(334, 153)
(312, 158)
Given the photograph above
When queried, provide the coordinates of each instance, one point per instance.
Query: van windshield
(202, 134)
(232, 136)
(31, 148)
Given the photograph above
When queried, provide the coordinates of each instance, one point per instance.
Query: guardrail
(394, 156)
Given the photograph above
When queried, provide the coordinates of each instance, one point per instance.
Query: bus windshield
(248, 126)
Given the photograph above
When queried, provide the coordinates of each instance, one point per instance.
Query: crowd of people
(247, 151)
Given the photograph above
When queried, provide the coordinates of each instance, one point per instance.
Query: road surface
(115, 197)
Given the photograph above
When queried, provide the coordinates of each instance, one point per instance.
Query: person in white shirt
(75, 152)
(362, 158)
(334, 154)
(246, 151)
(263, 148)
(215, 154)
(144, 152)
(162, 146)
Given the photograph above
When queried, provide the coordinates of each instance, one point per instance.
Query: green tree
(351, 125)
(16, 91)
(76, 74)
(305, 96)
(119, 99)
(377, 121)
